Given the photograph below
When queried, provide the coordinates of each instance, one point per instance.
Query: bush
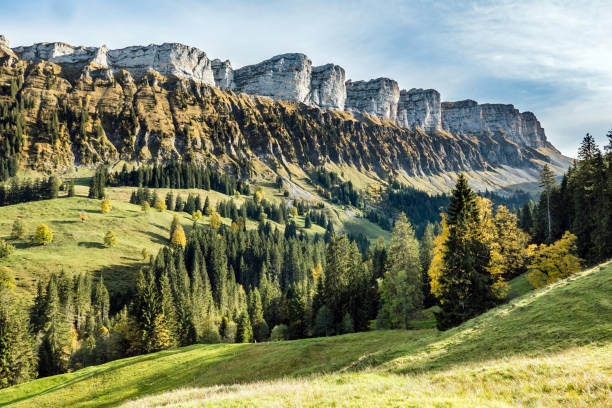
(280, 332)
(43, 235)
(110, 240)
(19, 229)
(6, 249)
(160, 205)
(145, 207)
(106, 206)
(261, 331)
(211, 335)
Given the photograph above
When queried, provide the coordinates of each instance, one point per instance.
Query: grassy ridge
(543, 348)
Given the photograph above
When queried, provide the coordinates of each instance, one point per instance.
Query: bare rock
(327, 87)
(378, 97)
(285, 76)
(418, 107)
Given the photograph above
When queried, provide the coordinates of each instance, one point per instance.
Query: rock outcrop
(223, 73)
(470, 118)
(378, 97)
(327, 87)
(418, 107)
(285, 77)
(4, 42)
(170, 59)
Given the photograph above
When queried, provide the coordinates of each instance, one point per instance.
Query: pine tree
(260, 327)
(244, 331)
(55, 349)
(402, 293)
(426, 255)
(547, 183)
(459, 276)
(17, 355)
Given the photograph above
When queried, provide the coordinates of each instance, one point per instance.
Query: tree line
(179, 175)
(581, 203)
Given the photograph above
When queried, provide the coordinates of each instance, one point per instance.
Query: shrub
(6, 249)
(145, 253)
(279, 332)
(106, 206)
(43, 235)
(211, 335)
(110, 240)
(160, 205)
(19, 229)
(145, 207)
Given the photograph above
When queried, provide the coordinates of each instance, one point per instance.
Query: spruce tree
(17, 354)
(244, 331)
(402, 286)
(463, 284)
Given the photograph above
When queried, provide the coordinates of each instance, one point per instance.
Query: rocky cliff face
(170, 101)
(223, 73)
(470, 118)
(327, 88)
(284, 77)
(418, 107)
(377, 97)
(169, 59)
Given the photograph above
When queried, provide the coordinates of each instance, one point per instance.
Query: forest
(224, 283)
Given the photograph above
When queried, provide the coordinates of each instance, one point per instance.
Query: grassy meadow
(548, 347)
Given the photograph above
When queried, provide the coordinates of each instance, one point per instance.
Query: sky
(553, 58)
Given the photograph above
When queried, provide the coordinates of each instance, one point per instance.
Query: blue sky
(553, 58)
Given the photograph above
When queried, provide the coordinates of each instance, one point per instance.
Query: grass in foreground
(548, 347)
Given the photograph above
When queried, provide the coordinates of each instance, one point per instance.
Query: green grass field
(549, 347)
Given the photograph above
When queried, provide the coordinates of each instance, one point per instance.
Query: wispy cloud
(551, 57)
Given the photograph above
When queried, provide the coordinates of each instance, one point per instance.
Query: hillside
(549, 347)
(78, 246)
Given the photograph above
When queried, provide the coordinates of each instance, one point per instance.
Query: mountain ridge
(380, 129)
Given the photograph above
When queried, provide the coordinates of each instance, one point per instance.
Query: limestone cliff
(378, 97)
(470, 118)
(86, 105)
(418, 107)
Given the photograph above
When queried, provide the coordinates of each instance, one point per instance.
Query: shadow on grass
(157, 238)
(91, 244)
(24, 244)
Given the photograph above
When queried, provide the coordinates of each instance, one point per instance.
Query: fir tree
(462, 282)
(402, 293)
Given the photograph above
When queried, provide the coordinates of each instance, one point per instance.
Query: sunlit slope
(548, 347)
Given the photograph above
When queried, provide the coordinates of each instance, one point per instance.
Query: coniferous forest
(216, 283)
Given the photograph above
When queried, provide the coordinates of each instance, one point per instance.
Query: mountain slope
(82, 114)
(549, 347)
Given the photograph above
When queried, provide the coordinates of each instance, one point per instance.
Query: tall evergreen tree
(402, 291)
(462, 282)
